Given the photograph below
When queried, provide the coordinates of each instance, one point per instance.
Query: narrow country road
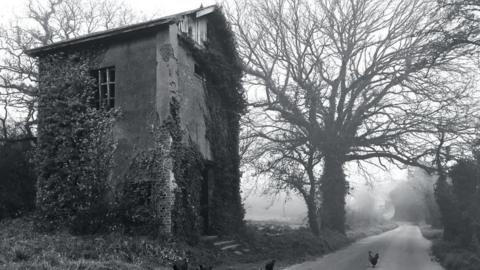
(401, 249)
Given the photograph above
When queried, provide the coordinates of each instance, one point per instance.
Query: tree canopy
(356, 80)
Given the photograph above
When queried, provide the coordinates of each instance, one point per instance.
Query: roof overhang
(124, 30)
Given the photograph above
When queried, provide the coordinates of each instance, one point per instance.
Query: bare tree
(291, 167)
(463, 17)
(352, 81)
(44, 23)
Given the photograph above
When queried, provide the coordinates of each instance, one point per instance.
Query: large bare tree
(45, 22)
(352, 80)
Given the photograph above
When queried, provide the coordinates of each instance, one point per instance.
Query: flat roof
(199, 12)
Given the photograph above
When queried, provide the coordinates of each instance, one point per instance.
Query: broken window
(105, 94)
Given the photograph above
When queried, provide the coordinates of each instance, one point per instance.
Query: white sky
(8, 8)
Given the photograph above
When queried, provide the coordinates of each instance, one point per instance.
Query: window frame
(105, 100)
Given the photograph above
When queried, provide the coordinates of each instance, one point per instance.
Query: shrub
(462, 261)
(17, 179)
(454, 257)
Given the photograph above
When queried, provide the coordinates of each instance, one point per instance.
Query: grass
(286, 245)
(21, 247)
(359, 233)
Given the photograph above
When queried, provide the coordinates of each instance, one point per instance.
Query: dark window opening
(104, 97)
(190, 32)
(206, 193)
(198, 70)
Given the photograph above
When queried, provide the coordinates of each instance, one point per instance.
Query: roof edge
(199, 12)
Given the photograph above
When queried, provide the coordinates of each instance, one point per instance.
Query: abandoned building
(145, 70)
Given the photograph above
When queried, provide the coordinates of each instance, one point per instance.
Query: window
(198, 70)
(105, 96)
(190, 32)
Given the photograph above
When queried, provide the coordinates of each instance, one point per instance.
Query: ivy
(225, 101)
(75, 145)
(146, 199)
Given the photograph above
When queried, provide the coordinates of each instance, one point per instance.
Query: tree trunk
(448, 210)
(313, 216)
(334, 188)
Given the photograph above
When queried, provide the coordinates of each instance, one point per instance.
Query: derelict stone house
(145, 70)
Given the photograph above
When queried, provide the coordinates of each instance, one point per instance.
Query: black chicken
(269, 266)
(373, 259)
(183, 265)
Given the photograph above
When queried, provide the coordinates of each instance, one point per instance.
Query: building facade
(144, 70)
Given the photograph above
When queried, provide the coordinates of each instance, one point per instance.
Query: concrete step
(234, 246)
(222, 243)
(207, 238)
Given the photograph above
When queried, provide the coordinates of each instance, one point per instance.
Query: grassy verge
(21, 247)
(359, 233)
(454, 257)
(282, 243)
(450, 255)
(290, 246)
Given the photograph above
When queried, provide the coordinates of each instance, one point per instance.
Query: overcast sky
(9, 8)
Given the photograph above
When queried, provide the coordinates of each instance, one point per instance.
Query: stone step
(230, 247)
(222, 243)
(207, 238)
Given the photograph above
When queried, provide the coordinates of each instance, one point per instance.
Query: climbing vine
(75, 145)
(144, 201)
(225, 101)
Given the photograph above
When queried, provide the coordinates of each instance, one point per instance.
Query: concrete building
(141, 69)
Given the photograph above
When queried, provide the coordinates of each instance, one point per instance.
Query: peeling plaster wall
(150, 71)
(166, 71)
(176, 78)
(193, 106)
(134, 62)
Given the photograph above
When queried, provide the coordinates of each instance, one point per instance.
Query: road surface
(401, 249)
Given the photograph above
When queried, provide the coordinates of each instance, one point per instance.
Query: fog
(377, 197)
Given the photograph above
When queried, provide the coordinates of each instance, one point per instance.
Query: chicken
(269, 266)
(373, 259)
(181, 265)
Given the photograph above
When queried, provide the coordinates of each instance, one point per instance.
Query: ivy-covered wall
(222, 69)
(148, 168)
(75, 145)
